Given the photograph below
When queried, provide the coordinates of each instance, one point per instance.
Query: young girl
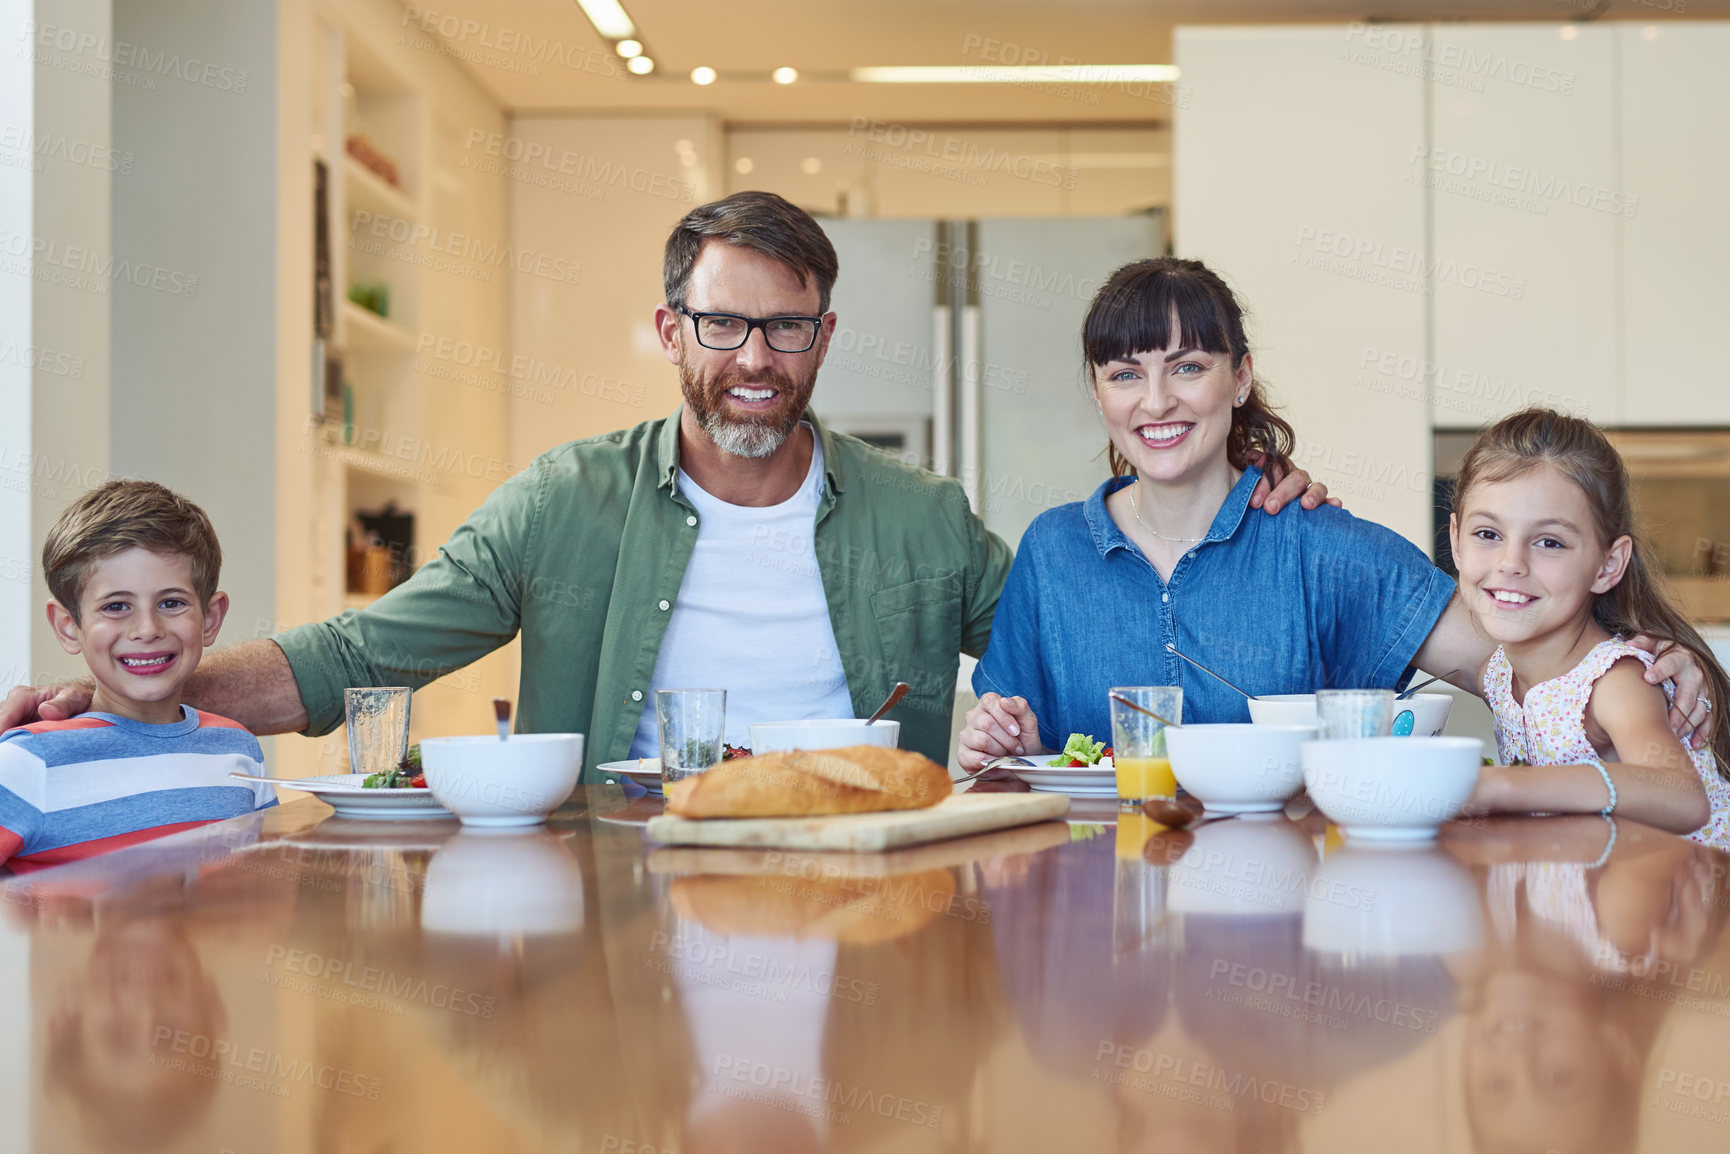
(1544, 539)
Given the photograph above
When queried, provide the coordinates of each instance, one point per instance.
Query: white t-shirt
(751, 617)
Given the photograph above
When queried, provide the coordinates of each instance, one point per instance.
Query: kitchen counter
(291, 982)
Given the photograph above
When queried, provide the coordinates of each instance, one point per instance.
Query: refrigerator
(958, 346)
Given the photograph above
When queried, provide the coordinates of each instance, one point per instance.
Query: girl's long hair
(1158, 303)
(1640, 602)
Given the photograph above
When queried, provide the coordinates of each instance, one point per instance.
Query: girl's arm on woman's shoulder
(1656, 782)
(1455, 649)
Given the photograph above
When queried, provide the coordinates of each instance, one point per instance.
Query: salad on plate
(1080, 751)
(407, 774)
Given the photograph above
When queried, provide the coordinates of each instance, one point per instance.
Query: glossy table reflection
(292, 982)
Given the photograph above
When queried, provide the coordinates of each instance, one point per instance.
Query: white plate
(1098, 780)
(343, 792)
(646, 772)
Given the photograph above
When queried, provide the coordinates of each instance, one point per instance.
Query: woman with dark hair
(1162, 552)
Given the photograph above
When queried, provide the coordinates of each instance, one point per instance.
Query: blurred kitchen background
(336, 269)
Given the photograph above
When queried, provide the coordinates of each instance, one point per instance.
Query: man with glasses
(737, 544)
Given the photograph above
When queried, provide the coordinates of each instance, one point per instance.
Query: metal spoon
(1421, 684)
(890, 702)
(1143, 709)
(1172, 649)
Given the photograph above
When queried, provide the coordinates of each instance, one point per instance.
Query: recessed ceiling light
(810, 166)
(1569, 32)
(743, 166)
(608, 17)
(1018, 74)
(1650, 32)
(629, 48)
(702, 74)
(785, 75)
(640, 65)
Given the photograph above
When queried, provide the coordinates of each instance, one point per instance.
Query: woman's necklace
(1133, 508)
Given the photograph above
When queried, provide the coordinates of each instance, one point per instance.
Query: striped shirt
(94, 783)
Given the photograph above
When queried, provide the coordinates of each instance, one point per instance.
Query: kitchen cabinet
(1293, 181)
(1525, 203)
(1675, 120)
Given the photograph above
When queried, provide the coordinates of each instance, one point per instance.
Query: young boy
(132, 567)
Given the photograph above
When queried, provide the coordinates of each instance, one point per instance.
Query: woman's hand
(1691, 718)
(998, 727)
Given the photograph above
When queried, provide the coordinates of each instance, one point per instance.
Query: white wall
(194, 396)
(608, 190)
(54, 354)
(53, 380)
(17, 380)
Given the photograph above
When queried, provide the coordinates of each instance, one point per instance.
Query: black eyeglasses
(724, 332)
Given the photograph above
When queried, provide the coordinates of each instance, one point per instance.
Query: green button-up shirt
(582, 550)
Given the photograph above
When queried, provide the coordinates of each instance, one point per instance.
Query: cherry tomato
(418, 781)
(1108, 752)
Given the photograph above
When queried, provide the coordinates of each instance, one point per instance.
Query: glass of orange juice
(1138, 741)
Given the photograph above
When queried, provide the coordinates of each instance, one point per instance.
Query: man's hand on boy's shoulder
(28, 703)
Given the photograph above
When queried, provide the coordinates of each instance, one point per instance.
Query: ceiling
(544, 56)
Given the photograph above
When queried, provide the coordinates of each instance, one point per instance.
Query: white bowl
(1391, 788)
(1284, 709)
(1422, 714)
(488, 782)
(1238, 768)
(1369, 900)
(833, 733)
(491, 882)
(1257, 867)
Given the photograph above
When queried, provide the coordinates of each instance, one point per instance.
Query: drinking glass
(377, 727)
(1350, 713)
(692, 724)
(1138, 741)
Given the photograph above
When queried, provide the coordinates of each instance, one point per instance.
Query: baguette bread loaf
(853, 779)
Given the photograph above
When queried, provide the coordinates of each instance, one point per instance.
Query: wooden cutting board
(954, 816)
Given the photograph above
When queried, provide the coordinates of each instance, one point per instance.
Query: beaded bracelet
(1598, 764)
(1605, 856)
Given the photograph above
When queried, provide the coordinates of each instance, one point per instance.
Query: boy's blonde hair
(122, 515)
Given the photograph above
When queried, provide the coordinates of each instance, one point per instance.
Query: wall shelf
(414, 108)
(369, 332)
(368, 192)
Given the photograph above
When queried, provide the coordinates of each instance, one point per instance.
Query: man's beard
(754, 435)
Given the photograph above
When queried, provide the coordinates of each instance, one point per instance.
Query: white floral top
(1550, 727)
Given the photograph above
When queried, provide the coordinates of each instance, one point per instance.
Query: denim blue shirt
(1299, 601)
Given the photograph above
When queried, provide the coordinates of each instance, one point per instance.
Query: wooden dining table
(291, 981)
